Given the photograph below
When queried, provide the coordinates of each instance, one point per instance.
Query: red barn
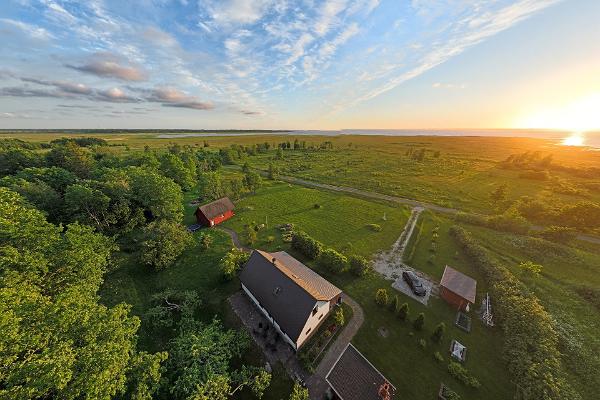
(457, 288)
(214, 213)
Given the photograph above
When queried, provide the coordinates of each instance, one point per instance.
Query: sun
(582, 115)
(576, 139)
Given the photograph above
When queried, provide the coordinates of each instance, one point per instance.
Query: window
(314, 311)
(320, 316)
(308, 331)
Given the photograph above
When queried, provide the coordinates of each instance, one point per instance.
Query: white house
(294, 298)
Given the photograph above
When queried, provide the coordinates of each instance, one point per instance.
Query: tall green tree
(164, 241)
(57, 341)
(158, 196)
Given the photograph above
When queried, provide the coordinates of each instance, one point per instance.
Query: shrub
(232, 262)
(422, 343)
(559, 234)
(381, 297)
(206, 240)
(333, 261)
(419, 322)
(438, 333)
(250, 235)
(403, 312)
(317, 206)
(306, 245)
(358, 265)
(438, 357)
(338, 317)
(270, 239)
(395, 304)
(374, 227)
(531, 268)
(462, 374)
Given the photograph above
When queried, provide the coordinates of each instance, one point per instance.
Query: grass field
(340, 221)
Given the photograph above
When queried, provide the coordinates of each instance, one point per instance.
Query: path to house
(316, 384)
(235, 238)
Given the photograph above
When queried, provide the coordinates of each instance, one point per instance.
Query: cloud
(194, 105)
(33, 31)
(328, 16)
(66, 87)
(160, 37)
(227, 12)
(115, 95)
(439, 85)
(172, 97)
(110, 66)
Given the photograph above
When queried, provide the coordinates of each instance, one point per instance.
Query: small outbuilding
(353, 377)
(457, 288)
(214, 213)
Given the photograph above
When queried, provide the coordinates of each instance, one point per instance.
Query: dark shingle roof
(459, 283)
(285, 289)
(216, 208)
(353, 377)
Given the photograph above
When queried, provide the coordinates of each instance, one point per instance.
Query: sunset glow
(576, 139)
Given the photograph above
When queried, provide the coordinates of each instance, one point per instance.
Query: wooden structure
(457, 288)
(214, 213)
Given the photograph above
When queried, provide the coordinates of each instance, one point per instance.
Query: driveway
(401, 286)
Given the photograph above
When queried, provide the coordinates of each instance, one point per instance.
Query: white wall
(267, 316)
(313, 321)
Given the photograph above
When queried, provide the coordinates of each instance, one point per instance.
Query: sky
(303, 64)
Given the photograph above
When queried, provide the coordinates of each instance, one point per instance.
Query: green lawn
(340, 222)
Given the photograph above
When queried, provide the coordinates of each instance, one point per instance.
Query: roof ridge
(295, 278)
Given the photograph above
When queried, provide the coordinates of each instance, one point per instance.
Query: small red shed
(214, 213)
(457, 288)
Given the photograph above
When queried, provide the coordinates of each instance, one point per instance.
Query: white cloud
(328, 16)
(33, 31)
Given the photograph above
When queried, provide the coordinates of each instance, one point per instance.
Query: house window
(314, 311)
(308, 331)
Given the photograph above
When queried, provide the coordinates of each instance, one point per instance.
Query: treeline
(537, 161)
(531, 340)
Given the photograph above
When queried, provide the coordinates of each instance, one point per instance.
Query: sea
(590, 139)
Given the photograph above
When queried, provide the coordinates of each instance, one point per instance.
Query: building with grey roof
(294, 298)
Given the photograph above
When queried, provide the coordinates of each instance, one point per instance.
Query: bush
(438, 357)
(381, 297)
(232, 262)
(403, 312)
(205, 240)
(333, 261)
(461, 374)
(419, 322)
(422, 343)
(395, 304)
(559, 234)
(317, 206)
(438, 333)
(339, 317)
(374, 227)
(358, 265)
(531, 268)
(306, 245)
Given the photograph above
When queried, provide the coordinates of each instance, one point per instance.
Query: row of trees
(531, 339)
(327, 257)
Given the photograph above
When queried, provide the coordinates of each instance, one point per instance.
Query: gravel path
(235, 238)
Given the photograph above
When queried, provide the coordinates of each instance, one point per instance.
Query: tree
(211, 187)
(15, 159)
(381, 297)
(205, 240)
(358, 265)
(531, 268)
(57, 341)
(171, 307)
(88, 205)
(333, 261)
(403, 312)
(232, 262)
(252, 181)
(250, 235)
(395, 304)
(159, 197)
(144, 375)
(438, 333)
(199, 360)
(163, 243)
(273, 171)
(339, 317)
(305, 244)
(499, 194)
(246, 167)
(559, 234)
(419, 322)
(73, 158)
(299, 392)
(173, 167)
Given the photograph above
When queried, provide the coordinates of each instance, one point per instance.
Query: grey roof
(459, 283)
(353, 377)
(284, 287)
(216, 208)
